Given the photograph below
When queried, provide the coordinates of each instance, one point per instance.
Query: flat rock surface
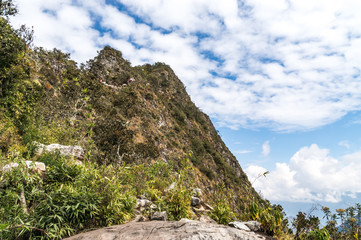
(165, 230)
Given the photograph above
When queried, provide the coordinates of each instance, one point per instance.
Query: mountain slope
(147, 119)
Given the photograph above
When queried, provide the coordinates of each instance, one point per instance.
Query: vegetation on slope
(74, 197)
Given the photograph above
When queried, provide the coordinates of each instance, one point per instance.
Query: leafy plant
(321, 234)
(222, 212)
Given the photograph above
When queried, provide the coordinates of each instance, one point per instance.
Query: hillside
(148, 119)
(139, 129)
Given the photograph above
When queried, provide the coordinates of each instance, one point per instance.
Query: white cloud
(59, 24)
(294, 64)
(242, 151)
(311, 175)
(266, 149)
(344, 143)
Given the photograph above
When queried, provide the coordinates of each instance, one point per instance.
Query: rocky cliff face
(155, 118)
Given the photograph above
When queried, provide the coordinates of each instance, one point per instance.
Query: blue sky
(280, 79)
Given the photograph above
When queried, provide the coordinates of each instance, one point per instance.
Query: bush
(59, 168)
(197, 146)
(321, 234)
(178, 203)
(70, 199)
(66, 210)
(222, 213)
(208, 172)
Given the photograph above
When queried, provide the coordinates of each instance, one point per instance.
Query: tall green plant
(222, 212)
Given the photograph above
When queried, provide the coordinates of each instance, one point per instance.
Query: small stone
(143, 203)
(239, 225)
(171, 187)
(9, 167)
(195, 201)
(253, 225)
(38, 166)
(185, 220)
(160, 216)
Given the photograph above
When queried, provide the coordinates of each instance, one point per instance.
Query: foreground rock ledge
(165, 230)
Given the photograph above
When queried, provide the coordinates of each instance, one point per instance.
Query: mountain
(152, 117)
(141, 134)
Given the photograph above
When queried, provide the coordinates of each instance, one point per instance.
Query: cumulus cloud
(311, 175)
(60, 24)
(266, 149)
(283, 64)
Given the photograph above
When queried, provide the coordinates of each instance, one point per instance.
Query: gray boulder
(9, 167)
(36, 166)
(143, 203)
(159, 216)
(74, 151)
(253, 225)
(195, 201)
(166, 230)
(239, 225)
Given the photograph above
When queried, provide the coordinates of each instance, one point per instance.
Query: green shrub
(178, 203)
(208, 172)
(66, 210)
(179, 116)
(197, 146)
(321, 234)
(195, 160)
(222, 213)
(59, 168)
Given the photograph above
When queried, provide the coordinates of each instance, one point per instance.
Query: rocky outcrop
(166, 230)
(239, 225)
(35, 166)
(253, 226)
(73, 151)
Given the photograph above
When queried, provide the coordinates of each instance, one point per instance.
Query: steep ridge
(139, 121)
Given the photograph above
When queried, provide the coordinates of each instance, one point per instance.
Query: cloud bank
(284, 64)
(311, 175)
